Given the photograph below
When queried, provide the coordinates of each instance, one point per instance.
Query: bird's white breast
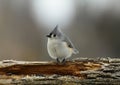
(57, 48)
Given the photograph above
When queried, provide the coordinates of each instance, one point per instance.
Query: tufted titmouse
(59, 46)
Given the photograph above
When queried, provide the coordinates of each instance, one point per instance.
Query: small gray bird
(59, 46)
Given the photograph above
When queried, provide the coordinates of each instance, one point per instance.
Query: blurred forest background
(92, 25)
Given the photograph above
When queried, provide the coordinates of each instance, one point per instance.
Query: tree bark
(81, 71)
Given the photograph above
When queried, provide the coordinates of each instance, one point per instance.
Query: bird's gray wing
(67, 40)
(70, 45)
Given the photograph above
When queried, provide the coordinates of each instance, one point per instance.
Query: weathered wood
(81, 71)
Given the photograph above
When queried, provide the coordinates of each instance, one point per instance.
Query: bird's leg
(58, 61)
(63, 61)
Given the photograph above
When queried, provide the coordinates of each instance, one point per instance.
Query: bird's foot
(63, 61)
(58, 61)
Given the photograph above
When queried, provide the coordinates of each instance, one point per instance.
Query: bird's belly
(59, 50)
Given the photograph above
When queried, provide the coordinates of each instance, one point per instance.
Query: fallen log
(81, 71)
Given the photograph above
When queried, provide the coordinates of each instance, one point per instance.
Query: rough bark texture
(82, 71)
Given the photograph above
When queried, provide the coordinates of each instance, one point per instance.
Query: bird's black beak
(48, 36)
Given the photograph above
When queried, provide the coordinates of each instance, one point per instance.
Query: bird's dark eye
(54, 35)
(50, 34)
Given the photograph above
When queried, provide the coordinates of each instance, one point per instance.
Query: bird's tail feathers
(75, 51)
